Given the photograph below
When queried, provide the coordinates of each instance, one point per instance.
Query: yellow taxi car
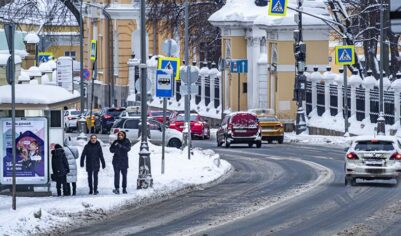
(272, 128)
(92, 125)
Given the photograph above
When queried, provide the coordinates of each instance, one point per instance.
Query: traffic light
(300, 51)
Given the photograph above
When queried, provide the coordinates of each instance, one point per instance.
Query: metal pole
(239, 91)
(144, 176)
(164, 118)
(381, 129)
(12, 75)
(346, 124)
(187, 97)
(81, 58)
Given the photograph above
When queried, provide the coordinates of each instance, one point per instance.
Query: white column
(213, 76)
(254, 90)
(203, 73)
(263, 94)
(250, 74)
(131, 79)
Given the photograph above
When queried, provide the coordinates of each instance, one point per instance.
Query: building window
(244, 87)
(71, 54)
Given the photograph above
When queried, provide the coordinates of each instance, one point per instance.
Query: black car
(107, 117)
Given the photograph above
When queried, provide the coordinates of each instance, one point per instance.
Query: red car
(240, 127)
(199, 127)
(158, 115)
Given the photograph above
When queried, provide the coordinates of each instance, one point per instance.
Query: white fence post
(328, 78)
(315, 77)
(354, 81)
(369, 83)
(396, 85)
(340, 81)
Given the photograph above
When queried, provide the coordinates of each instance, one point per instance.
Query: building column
(250, 74)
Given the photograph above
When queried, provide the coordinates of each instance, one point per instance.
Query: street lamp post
(381, 128)
(144, 176)
(187, 97)
(81, 58)
(300, 54)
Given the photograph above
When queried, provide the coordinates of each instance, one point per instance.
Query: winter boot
(124, 190)
(116, 191)
(90, 191)
(96, 192)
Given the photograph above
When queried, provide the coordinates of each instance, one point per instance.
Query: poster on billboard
(64, 72)
(31, 151)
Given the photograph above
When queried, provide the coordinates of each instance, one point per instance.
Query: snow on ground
(59, 213)
(316, 139)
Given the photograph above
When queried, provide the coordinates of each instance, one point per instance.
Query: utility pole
(300, 80)
(381, 125)
(144, 176)
(345, 92)
(81, 56)
(187, 97)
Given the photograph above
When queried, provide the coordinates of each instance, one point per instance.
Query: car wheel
(174, 142)
(280, 140)
(250, 145)
(269, 141)
(259, 144)
(226, 143)
(345, 181)
(65, 129)
(352, 181)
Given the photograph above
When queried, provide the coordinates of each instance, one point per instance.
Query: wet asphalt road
(261, 177)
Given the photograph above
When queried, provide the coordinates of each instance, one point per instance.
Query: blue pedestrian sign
(277, 8)
(345, 55)
(164, 84)
(239, 66)
(170, 63)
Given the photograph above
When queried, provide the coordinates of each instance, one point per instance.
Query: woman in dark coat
(120, 148)
(94, 155)
(60, 168)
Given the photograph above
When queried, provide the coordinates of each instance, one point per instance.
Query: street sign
(345, 55)
(239, 66)
(278, 8)
(138, 86)
(184, 89)
(86, 74)
(170, 63)
(44, 56)
(194, 75)
(164, 84)
(93, 50)
(395, 16)
(170, 47)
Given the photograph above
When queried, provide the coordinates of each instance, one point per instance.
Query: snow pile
(36, 94)
(316, 139)
(65, 212)
(32, 38)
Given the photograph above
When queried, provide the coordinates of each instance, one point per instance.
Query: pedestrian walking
(94, 155)
(120, 148)
(72, 154)
(60, 168)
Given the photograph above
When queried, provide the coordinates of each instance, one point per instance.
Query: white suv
(71, 117)
(131, 127)
(373, 157)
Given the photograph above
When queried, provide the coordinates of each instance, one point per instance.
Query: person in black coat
(60, 168)
(94, 155)
(120, 148)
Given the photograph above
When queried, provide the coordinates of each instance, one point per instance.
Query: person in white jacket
(72, 154)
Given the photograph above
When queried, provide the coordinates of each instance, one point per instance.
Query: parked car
(71, 117)
(158, 115)
(107, 118)
(131, 111)
(272, 128)
(199, 127)
(373, 157)
(240, 127)
(131, 127)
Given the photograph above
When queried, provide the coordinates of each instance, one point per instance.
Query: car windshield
(75, 113)
(268, 118)
(244, 120)
(374, 145)
(115, 112)
(182, 117)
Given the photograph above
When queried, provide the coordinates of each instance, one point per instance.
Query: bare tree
(168, 17)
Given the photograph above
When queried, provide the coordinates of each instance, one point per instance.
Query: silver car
(373, 157)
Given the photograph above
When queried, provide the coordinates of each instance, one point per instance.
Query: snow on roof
(32, 38)
(4, 58)
(36, 94)
(247, 12)
(374, 137)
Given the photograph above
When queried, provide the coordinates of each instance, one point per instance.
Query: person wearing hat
(60, 168)
(94, 155)
(120, 148)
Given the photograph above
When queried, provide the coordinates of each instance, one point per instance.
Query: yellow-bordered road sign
(345, 55)
(277, 8)
(170, 63)
(93, 50)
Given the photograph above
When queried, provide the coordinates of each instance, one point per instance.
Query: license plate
(374, 170)
(374, 162)
(240, 131)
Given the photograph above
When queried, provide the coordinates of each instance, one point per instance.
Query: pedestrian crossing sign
(277, 8)
(170, 63)
(345, 55)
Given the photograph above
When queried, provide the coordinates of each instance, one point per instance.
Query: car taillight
(106, 116)
(352, 156)
(395, 156)
(116, 130)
